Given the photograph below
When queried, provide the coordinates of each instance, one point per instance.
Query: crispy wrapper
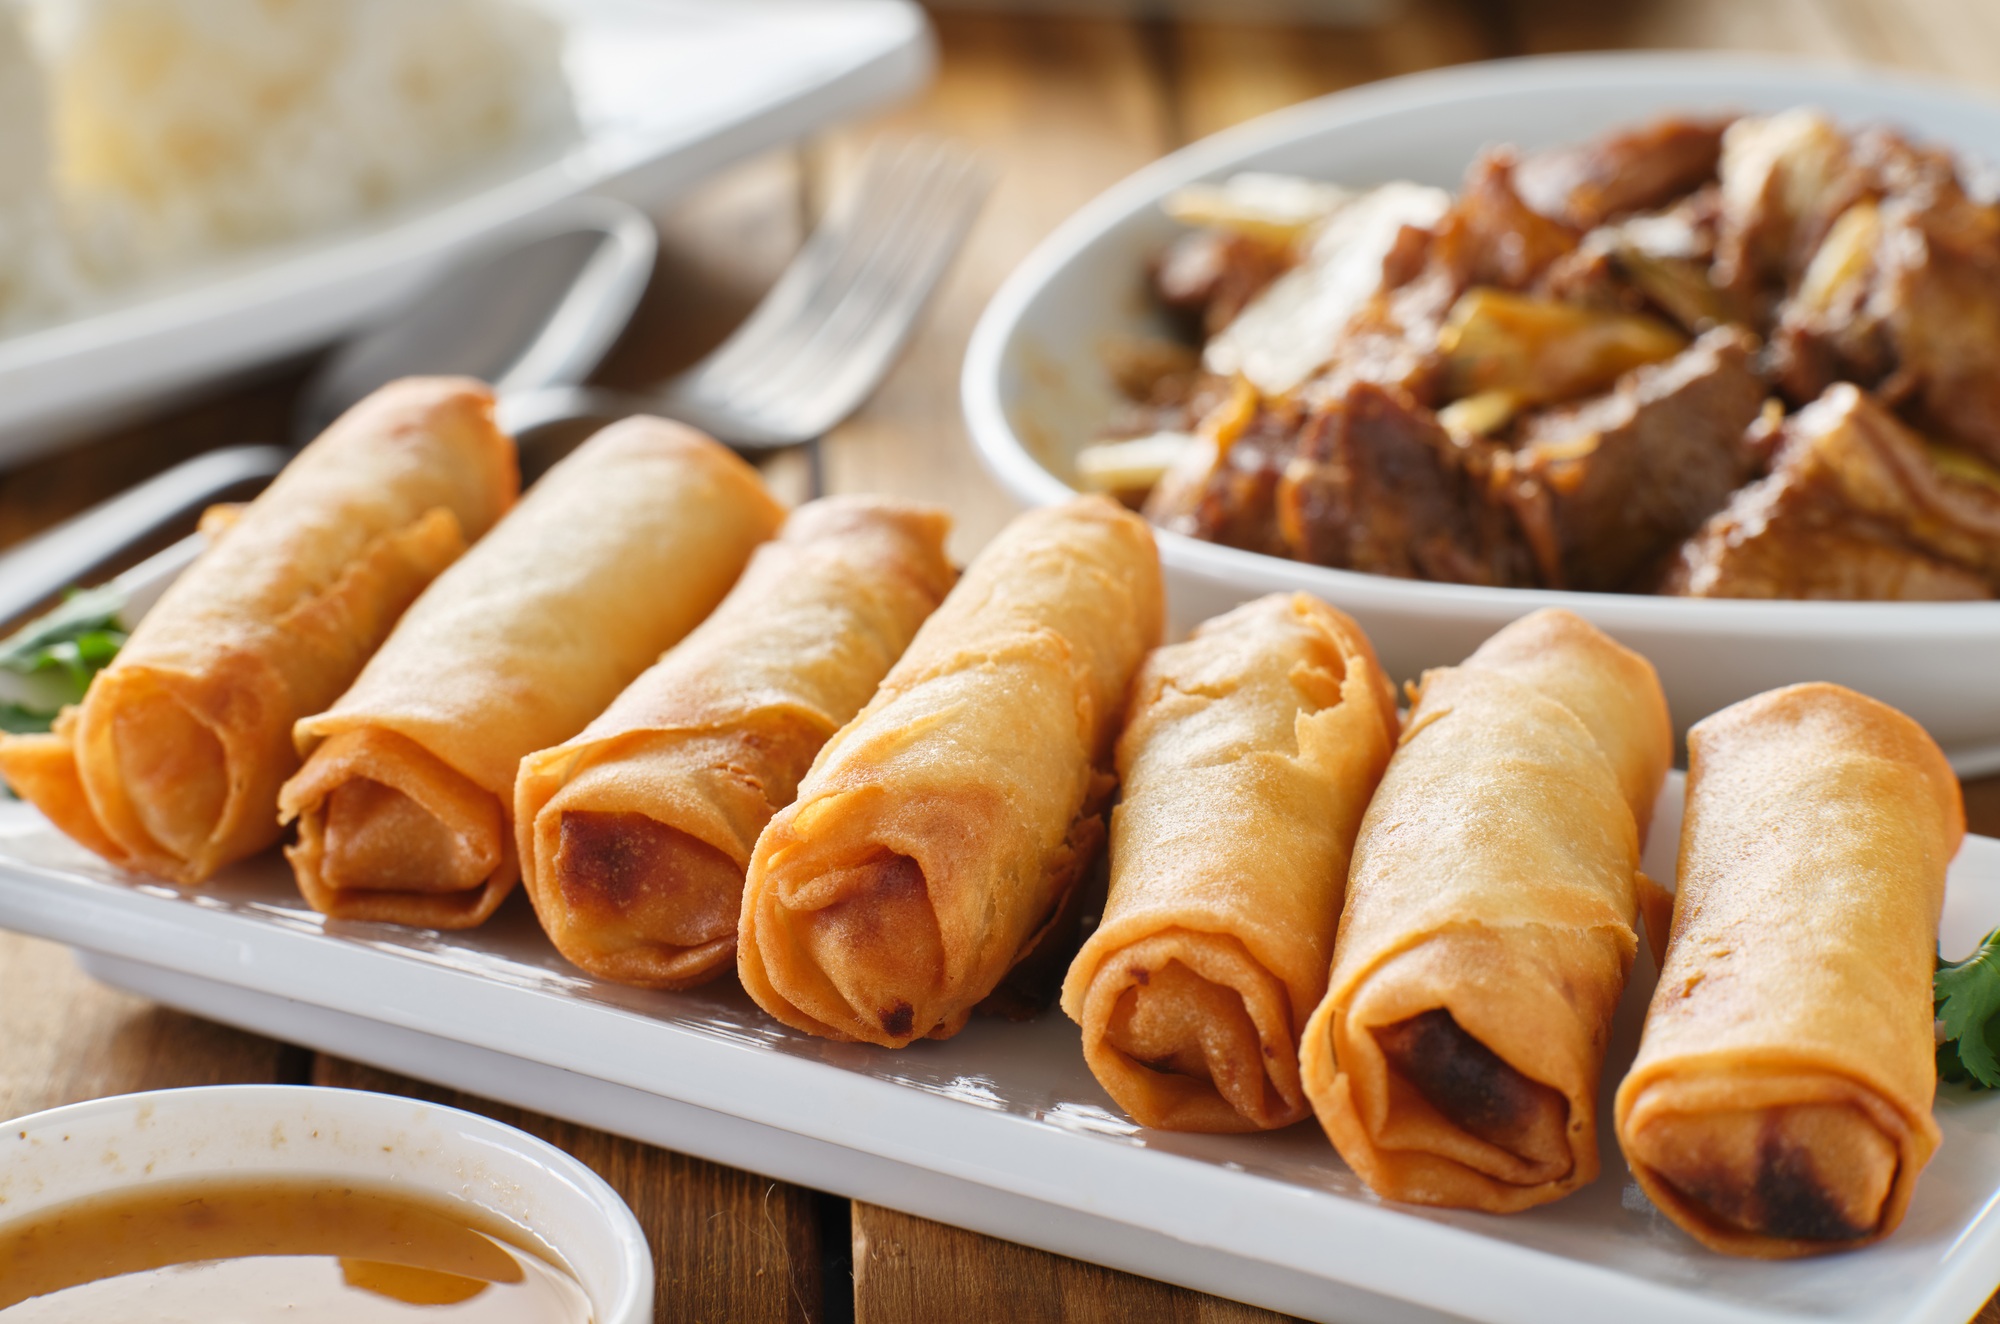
(405, 802)
(938, 835)
(1780, 1104)
(634, 836)
(173, 761)
(1490, 923)
(1247, 760)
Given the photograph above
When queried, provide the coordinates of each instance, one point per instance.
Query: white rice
(183, 128)
(37, 279)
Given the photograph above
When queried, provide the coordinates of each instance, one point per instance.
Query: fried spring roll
(1246, 762)
(1490, 923)
(940, 831)
(173, 761)
(1780, 1104)
(405, 801)
(634, 835)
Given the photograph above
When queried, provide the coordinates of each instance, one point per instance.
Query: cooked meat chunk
(1605, 489)
(1589, 277)
(1492, 237)
(1562, 375)
(1297, 324)
(1833, 325)
(1392, 342)
(1903, 294)
(1778, 539)
(1637, 170)
(1857, 506)
(1941, 286)
(1655, 261)
(1227, 493)
(1488, 238)
(1378, 486)
(1944, 504)
(1211, 275)
(1785, 178)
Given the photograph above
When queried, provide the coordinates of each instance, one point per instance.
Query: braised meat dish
(1730, 357)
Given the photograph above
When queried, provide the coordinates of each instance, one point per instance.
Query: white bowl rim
(634, 1256)
(1001, 449)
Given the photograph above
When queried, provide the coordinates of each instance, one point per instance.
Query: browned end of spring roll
(1247, 759)
(1489, 924)
(1780, 1104)
(635, 835)
(173, 761)
(400, 835)
(405, 802)
(940, 831)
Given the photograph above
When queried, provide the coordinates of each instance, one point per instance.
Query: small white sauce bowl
(250, 1132)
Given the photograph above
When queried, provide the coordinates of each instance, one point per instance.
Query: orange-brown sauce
(305, 1252)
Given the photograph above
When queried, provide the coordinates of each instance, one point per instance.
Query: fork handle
(48, 563)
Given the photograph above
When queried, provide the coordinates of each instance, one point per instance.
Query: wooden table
(1062, 108)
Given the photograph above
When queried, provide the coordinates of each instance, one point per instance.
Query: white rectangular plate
(1001, 1129)
(666, 91)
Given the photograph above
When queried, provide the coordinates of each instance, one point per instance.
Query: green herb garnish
(1968, 1014)
(48, 662)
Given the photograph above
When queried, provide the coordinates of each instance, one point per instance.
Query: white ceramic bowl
(236, 1131)
(1034, 386)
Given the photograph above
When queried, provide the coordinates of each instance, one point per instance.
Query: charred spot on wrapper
(609, 859)
(1795, 1202)
(1464, 1079)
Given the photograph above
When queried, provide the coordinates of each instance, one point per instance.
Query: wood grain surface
(1060, 108)
(64, 1039)
(909, 1268)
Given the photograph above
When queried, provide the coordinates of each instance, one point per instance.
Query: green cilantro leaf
(18, 720)
(1968, 1013)
(55, 656)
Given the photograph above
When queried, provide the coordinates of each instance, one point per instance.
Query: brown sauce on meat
(309, 1252)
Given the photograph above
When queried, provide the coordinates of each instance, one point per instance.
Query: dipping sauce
(247, 1252)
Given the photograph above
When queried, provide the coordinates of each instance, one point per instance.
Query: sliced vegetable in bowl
(1037, 395)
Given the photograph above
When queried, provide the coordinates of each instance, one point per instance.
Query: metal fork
(828, 331)
(811, 352)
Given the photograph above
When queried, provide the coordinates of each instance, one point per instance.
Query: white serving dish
(1034, 387)
(237, 1132)
(1002, 1128)
(666, 91)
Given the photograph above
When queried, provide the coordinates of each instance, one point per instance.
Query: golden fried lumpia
(634, 836)
(173, 761)
(1247, 759)
(405, 801)
(940, 831)
(1780, 1104)
(1489, 925)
